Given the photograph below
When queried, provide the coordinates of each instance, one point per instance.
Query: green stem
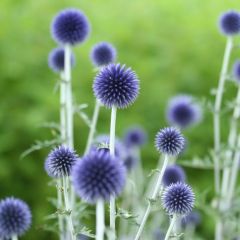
(173, 220)
(100, 225)
(216, 119)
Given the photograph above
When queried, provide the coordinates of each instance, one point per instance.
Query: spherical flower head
(81, 236)
(56, 59)
(70, 26)
(130, 161)
(98, 175)
(193, 219)
(116, 85)
(15, 217)
(236, 71)
(173, 174)
(169, 141)
(229, 23)
(178, 198)
(183, 112)
(103, 54)
(60, 161)
(135, 136)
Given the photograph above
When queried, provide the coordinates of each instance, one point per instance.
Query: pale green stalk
(172, 223)
(217, 108)
(112, 152)
(100, 225)
(153, 198)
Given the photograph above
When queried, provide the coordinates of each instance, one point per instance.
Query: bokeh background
(174, 46)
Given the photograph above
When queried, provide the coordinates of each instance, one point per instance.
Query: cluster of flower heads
(229, 23)
(15, 217)
(183, 111)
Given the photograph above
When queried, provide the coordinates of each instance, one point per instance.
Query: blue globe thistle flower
(15, 217)
(173, 174)
(56, 59)
(183, 112)
(193, 219)
(130, 161)
(103, 53)
(116, 85)
(135, 136)
(178, 198)
(169, 141)
(60, 161)
(236, 70)
(70, 26)
(98, 175)
(229, 23)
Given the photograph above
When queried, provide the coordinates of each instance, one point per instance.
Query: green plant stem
(173, 220)
(68, 94)
(234, 174)
(68, 208)
(93, 126)
(216, 118)
(112, 152)
(232, 138)
(60, 205)
(153, 198)
(100, 225)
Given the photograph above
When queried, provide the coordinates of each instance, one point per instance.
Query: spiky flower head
(169, 141)
(116, 85)
(193, 219)
(60, 161)
(183, 111)
(56, 59)
(103, 53)
(130, 160)
(173, 174)
(70, 26)
(178, 198)
(98, 175)
(236, 71)
(135, 136)
(82, 237)
(229, 23)
(15, 217)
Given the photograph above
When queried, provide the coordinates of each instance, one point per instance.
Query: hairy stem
(153, 198)
(100, 225)
(232, 138)
(216, 118)
(60, 205)
(93, 126)
(68, 207)
(173, 220)
(112, 152)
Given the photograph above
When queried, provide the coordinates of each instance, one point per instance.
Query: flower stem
(173, 220)
(216, 118)
(14, 237)
(60, 218)
(232, 138)
(112, 152)
(68, 207)
(153, 198)
(93, 126)
(234, 174)
(69, 108)
(100, 225)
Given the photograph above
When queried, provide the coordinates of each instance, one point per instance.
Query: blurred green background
(174, 46)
